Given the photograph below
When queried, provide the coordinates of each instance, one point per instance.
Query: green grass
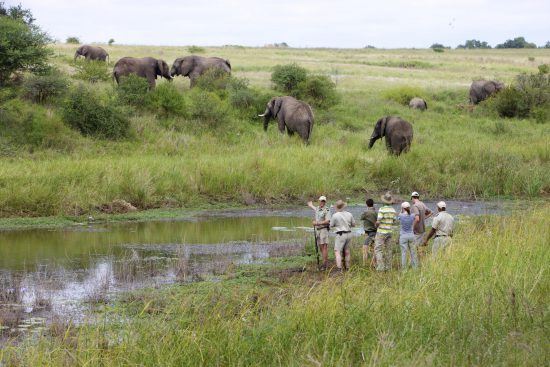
(174, 161)
(484, 303)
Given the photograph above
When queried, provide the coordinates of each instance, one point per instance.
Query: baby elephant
(480, 90)
(398, 133)
(418, 103)
(91, 53)
(293, 115)
(146, 67)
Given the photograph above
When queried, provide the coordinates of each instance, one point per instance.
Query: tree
(518, 42)
(23, 45)
(111, 41)
(73, 40)
(472, 44)
(547, 45)
(438, 45)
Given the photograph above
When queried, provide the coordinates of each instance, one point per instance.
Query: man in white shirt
(442, 228)
(341, 222)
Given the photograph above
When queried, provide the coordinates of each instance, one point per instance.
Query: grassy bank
(484, 303)
(171, 162)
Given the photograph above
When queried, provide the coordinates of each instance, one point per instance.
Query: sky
(300, 23)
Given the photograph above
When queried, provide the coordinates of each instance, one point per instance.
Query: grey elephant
(146, 67)
(194, 66)
(480, 90)
(91, 53)
(293, 115)
(398, 134)
(418, 103)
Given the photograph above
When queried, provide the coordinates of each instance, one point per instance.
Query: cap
(415, 194)
(441, 205)
(405, 204)
(322, 198)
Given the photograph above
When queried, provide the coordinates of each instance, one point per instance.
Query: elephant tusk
(262, 115)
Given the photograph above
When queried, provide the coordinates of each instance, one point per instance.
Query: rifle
(316, 245)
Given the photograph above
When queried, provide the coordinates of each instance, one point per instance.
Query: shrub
(438, 50)
(403, 95)
(132, 90)
(518, 42)
(195, 49)
(33, 127)
(240, 95)
(93, 71)
(42, 88)
(23, 46)
(287, 77)
(318, 90)
(73, 40)
(213, 80)
(85, 111)
(167, 101)
(208, 109)
(544, 68)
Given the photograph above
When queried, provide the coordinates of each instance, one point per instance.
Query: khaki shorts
(322, 236)
(342, 241)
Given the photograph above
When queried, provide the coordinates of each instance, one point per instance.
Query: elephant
(194, 66)
(293, 115)
(480, 90)
(398, 133)
(91, 53)
(146, 67)
(418, 103)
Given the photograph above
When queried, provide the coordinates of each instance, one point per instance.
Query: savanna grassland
(171, 161)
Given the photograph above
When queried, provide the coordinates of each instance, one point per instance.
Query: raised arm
(310, 204)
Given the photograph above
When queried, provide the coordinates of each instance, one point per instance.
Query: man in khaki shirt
(341, 222)
(321, 223)
(442, 228)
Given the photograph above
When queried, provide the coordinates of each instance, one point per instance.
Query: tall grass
(484, 303)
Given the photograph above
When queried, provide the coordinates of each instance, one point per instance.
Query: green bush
(318, 90)
(33, 126)
(92, 71)
(72, 40)
(214, 80)
(544, 68)
(85, 111)
(132, 90)
(195, 49)
(42, 88)
(528, 96)
(287, 77)
(436, 49)
(208, 108)
(167, 101)
(403, 94)
(240, 95)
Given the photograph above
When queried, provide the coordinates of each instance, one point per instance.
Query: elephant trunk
(173, 71)
(76, 55)
(372, 140)
(267, 116)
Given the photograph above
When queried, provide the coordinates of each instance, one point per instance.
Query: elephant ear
(160, 67)
(186, 65)
(277, 106)
(383, 122)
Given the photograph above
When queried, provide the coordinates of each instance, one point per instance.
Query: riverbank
(484, 303)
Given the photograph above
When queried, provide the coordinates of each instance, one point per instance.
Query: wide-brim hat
(387, 198)
(340, 204)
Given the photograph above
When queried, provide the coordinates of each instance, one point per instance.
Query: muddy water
(62, 273)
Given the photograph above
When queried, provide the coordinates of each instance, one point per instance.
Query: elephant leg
(151, 81)
(289, 132)
(281, 125)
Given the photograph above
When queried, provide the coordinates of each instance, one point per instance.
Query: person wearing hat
(382, 241)
(423, 213)
(321, 224)
(341, 222)
(369, 224)
(442, 228)
(407, 242)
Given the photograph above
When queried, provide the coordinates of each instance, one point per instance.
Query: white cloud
(322, 23)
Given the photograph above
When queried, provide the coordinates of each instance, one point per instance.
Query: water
(64, 272)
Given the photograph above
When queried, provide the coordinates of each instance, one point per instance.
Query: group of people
(379, 231)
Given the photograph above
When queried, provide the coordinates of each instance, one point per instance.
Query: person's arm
(352, 221)
(428, 213)
(379, 217)
(430, 235)
(416, 212)
(331, 223)
(310, 204)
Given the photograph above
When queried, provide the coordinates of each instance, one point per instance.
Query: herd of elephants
(292, 115)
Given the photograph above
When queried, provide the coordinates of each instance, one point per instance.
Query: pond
(65, 272)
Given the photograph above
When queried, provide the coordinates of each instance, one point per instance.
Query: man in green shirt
(383, 239)
(321, 224)
(369, 218)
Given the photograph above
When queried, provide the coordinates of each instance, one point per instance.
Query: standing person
(321, 224)
(407, 241)
(369, 224)
(382, 242)
(342, 221)
(442, 228)
(423, 213)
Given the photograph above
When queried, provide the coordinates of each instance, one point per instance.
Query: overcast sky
(300, 23)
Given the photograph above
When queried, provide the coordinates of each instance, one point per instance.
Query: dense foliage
(474, 44)
(518, 42)
(45, 87)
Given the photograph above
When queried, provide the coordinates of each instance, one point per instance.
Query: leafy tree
(111, 41)
(23, 45)
(518, 42)
(473, 43)
(73, 40)
(438, 45)
(547, 45)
